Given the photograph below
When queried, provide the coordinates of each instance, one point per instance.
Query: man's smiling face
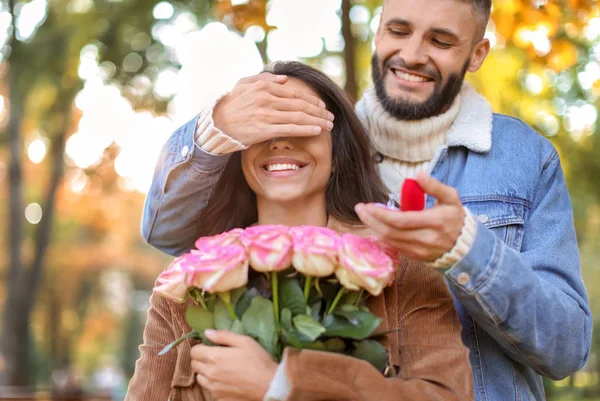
(423, 50)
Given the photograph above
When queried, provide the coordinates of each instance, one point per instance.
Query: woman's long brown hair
(355, 178)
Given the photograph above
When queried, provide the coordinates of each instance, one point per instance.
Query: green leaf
(291, 296)
(317, 346)
(299, 341)
(199, 319)
(237, 293)
(286, 318)
(348, 312)
(338, 326)
(289, 337)
(210, 302)
(379, 333)
(259, 322)
(191, 334)
(315, 310)
(335, 344)
(349, 298)
(308, 326)
(237, 327)
(244, 302)
(372, 352)
(221, 316)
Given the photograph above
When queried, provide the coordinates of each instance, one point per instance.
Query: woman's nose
(281, 144)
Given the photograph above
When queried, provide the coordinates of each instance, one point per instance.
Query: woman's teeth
(409, 77)
(282, 167)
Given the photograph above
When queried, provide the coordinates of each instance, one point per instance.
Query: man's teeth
(409, 77)
(282, 167)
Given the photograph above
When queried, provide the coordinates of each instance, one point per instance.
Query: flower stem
(226, 297)
(199, 298)
(230, 310)
(318, 286)
(202, 303)
(275, 290)
(307, 285)
(359, 297)
(336, 300)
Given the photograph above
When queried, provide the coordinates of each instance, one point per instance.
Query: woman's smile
(282, 167)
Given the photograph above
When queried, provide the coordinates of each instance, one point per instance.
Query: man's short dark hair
(481, 11)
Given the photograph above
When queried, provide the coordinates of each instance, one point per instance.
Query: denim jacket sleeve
(182, 184)
(532, 302)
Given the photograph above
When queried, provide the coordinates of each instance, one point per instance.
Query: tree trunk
(48, 208)
(14, 335)
(349, 51)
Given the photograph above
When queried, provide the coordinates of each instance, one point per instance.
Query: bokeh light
(37, 150)
(163, 10)
(33, 213)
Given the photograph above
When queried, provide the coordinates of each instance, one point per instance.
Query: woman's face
(289, 169)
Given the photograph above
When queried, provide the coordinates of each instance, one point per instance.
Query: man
(498, 223)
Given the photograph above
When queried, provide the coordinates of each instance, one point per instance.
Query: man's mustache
(398, 63)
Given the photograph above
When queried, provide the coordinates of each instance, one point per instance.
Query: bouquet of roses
(302, 287)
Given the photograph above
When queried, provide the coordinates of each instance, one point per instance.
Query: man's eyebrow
(398, 21)
(440, 31)
(446, 32)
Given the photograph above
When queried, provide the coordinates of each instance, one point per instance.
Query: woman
(309, 181)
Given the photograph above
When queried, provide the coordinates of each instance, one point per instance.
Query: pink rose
(218, 268)
(363, 264)
(269, 247)
(315, 250)
(172, 282)
(227, 238)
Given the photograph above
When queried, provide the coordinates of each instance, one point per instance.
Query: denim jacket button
(185, 151)
(483, 218)
(463, 278)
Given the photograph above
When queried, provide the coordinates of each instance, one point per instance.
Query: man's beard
(441, 97)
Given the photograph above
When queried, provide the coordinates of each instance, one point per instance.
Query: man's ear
(478, 55)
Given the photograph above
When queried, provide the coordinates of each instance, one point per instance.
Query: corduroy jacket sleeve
(154, 373)
(433, 362)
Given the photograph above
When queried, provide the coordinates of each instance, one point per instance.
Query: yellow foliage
(241, 17)
(562, 56)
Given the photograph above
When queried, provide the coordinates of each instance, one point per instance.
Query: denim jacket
(518, 292)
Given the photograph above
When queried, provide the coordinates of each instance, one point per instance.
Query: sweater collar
(471, 128)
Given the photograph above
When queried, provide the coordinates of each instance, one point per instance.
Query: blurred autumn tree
(41, 81)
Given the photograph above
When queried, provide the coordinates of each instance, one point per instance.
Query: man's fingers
(291, 130)
(298, 118)
(302, 105)
(289, 93)
(264, 76)
(404, 220)
(443, 193)
(378, 227)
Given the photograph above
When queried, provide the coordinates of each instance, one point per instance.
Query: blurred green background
(91, 89)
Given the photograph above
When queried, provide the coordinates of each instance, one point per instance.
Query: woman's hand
(239, 370)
